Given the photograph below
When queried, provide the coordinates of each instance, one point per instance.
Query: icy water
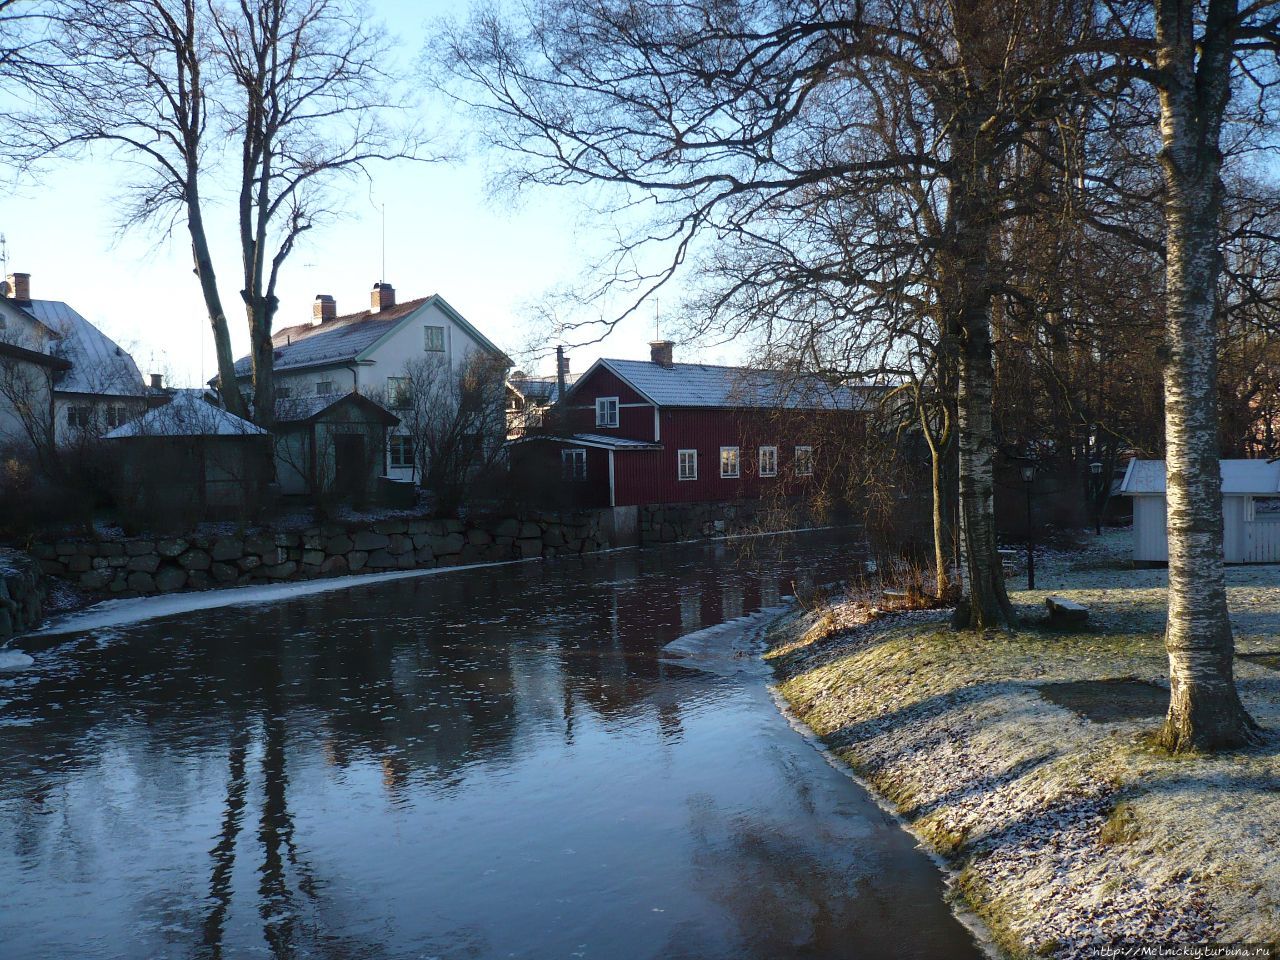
(488, 763)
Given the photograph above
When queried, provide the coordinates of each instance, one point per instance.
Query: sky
(492, 259)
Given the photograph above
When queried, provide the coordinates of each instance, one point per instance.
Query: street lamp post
(1095, 469)
(1028, 477)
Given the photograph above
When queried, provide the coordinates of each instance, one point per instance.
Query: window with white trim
(804, 461)
(116, 415)
(1264, 508)
(768, 461)
(606, 411)
(573, 464)
(398, 392)
(433, 339)
(688, 465)
(401, 452)
(79, 416)
(729, 462)
(324, 388)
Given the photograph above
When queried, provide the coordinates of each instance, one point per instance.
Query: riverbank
(1024, 759)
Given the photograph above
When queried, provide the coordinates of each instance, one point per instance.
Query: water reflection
(483, 763)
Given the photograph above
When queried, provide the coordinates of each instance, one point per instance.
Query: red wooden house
(635, 432)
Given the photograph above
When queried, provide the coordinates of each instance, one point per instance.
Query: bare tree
(303, 86)
(455, 418)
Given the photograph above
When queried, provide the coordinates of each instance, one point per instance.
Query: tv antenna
(382, 272)
(656, 335)
(4, 257)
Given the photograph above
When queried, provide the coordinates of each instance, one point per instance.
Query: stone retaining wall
(140, 566)
(669, 522)
(22, 593)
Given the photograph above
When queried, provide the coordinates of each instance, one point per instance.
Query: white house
(96, 385)
(368, 353)
(1250, 510)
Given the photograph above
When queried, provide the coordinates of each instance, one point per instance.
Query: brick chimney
(660, 353)
(325, 308)
(382, 297)
(562, 371)
(19, 286)
(157, 381)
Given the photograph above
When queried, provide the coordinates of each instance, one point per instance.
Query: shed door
(349, 464)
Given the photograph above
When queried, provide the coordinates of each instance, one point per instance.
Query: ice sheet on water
(14, 660)
(727, 648)
(115, 613)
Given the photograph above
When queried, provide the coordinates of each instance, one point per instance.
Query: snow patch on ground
(115, 613)
(13, 660)
(728, 648)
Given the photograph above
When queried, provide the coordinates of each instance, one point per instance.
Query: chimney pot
(157, 381)
(382, 297)
(660, 353)
(20, 286)
(325, 308)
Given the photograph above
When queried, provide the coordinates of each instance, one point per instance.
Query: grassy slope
(1066, 832)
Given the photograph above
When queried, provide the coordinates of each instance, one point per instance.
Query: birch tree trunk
(1205, 712)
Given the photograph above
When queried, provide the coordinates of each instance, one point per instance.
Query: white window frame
(428, 336)
(680, 464)
(808, 459)
(573, 464)
(737, 463)
(773, 455)
(1252, 515)
(602, 412)
(284, 391)
(395, 445)
(398, 392)
(79, 416)
(324, 393)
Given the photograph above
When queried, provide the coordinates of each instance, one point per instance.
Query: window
(402, 451)
(606, 411)
(688, 465)
(728, 461)
(768, 461)
(116, 415)
(1264, 508)
(283, 392)
(433, 339)
(573, 464)
(398, 392)
(324, 388)
(804, 461)
(79, 416)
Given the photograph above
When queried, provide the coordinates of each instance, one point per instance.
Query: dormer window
(606, 411)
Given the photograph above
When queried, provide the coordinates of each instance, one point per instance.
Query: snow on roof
(1261, 477)
(345, 338)
(706, 385)
(302, 409)
(188, 414)
(98, 364)
(613, 443)
(540, 389)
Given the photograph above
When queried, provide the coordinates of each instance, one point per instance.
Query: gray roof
(589, 440)
(538, 389)
(1259, 477)
(188, 414)
(706, 385)
(347, 338)
(98, 364)
(302, 409)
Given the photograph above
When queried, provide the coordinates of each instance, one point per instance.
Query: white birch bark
(1204, 710)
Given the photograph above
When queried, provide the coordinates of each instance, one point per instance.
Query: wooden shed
(190, 460)
(331, 445)
(1250, 510)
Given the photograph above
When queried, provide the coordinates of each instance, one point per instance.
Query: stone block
(528, 529)
(452, 525)
(554, 537)
(44, 551)
(333, 566)
(381, 560)
(367, 540)
(338, 545)
(400, 544)
(95, 579)
(423, 557)
(195, 560)
(249, 562)
(147, 564)
(137, 548)
(446, 545)
(260, 544)
(479, 538)
(79, 563)
(172, 547)
(281, 571)
(227, 548)
(223, 572)
(313, 557)
(110, 548)
(141, 582)
(65, 548)
(529, 547)
(170, 579)
(389, 527)
(356, 559)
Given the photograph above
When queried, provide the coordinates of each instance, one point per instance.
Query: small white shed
(1250, 510)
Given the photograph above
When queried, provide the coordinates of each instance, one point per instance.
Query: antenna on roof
(656, 335)
(382, 273)
(4, 256)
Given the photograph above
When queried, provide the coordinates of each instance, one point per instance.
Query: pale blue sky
(492, 260)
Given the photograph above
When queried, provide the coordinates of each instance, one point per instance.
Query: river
(494, 762)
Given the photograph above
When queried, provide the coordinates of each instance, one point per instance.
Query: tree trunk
(1205, 712)
(263, 365)
(213, 305)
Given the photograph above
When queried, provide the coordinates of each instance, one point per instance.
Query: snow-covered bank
(727, 648)
(1069, 831)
